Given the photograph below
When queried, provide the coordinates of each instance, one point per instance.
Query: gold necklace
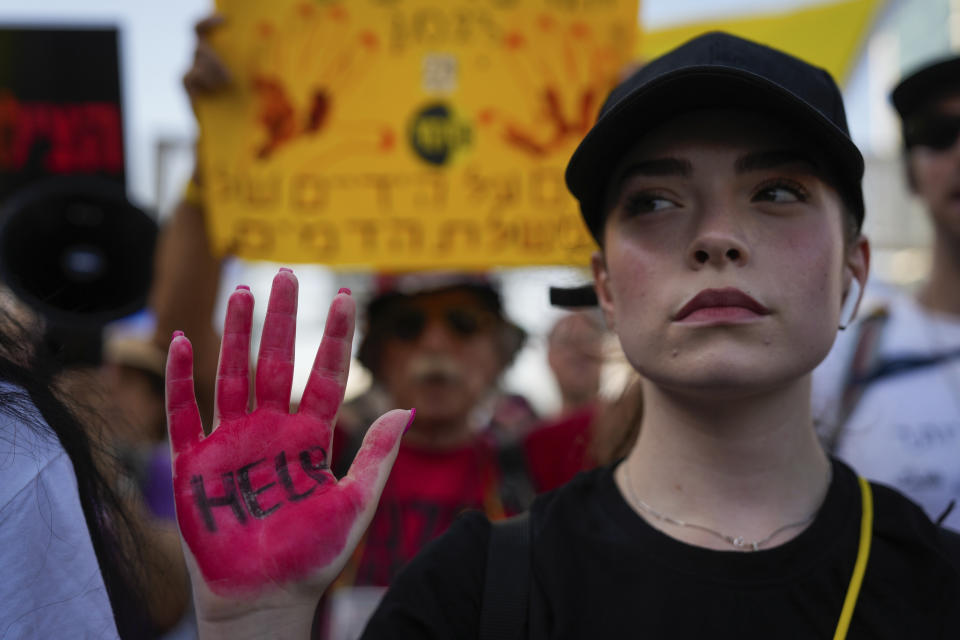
(737, 541)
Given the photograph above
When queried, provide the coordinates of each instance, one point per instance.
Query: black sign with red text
(59, 105)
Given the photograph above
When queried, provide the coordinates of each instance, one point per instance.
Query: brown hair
(617, 425)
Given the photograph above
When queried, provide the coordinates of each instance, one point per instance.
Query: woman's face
(724, 263)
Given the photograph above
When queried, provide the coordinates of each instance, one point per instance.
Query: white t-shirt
(905, 429)
(51, 585)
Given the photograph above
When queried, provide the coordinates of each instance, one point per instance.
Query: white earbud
(850, 304)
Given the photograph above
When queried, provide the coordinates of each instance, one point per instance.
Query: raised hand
(208, 74)
(266, 525)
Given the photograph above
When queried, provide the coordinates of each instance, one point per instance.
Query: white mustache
(430, 367)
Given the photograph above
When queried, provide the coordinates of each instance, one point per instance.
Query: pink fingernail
(176, 334)
(413, 414)
(344, 290)
(243, 286)
(287, 269)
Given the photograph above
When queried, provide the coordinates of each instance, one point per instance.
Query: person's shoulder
(894, 511)
(54, 584)
(438, 595)
(463, 545)
(470, 528)
(582, 486)
(567, 505)
(28, 446)
(896, 514)
(903, 525)
(950, 542)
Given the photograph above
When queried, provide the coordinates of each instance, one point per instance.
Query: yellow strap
(866, 534)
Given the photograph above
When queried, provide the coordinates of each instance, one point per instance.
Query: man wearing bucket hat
(722, 186)
(438, 341)
(889, 393)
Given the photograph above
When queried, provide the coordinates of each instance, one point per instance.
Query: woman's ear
(856, 270)
(601, 282)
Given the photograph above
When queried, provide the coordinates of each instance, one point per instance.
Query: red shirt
(557, 451)
(425, 492)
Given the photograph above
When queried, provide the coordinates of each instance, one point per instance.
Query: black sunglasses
(409, 323)
(938, 132)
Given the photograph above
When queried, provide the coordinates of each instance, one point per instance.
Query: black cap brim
(574, 297)
(687, 89)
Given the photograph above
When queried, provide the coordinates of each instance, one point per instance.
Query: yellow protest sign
(402, 134)
(828, 35)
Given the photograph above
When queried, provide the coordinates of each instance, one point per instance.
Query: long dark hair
(31, 370)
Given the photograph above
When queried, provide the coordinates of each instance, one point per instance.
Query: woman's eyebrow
(776, 158)
(659, 167)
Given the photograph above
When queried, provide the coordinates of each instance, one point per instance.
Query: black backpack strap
(516, 485)
(506, 590)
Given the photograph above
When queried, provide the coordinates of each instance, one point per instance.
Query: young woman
(722, 185)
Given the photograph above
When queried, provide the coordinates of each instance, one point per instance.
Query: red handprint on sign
(281, 121)
(564, 91)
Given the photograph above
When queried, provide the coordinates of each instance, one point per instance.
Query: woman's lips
(720, 305)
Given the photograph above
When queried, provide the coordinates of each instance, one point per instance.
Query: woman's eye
(781, 193)
(647, 203)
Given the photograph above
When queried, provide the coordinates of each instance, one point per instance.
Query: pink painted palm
(266, 525)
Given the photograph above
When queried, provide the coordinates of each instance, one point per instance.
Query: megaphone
(77, 251)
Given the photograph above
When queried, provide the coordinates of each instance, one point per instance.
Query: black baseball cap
(715, 70)
(924, 85)
(914, 99)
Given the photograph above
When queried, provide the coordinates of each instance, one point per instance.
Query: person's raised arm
(266, 526)
(186, 273)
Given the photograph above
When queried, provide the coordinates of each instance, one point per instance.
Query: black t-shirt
(600, 571)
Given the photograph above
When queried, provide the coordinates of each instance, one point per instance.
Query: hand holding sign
(267, 526)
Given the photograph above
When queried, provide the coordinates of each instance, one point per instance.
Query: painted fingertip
(243, 286)
(176, 334)
(345, 290)
(287, 269)
(413, 414)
